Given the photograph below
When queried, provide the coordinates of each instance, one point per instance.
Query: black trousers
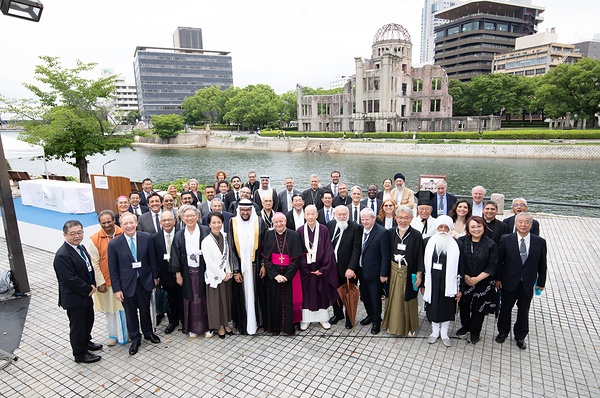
(139, 301)
(175, 299)
(338, 305)
(471, 319)
(523, 301)
(81, 321)
(370, 294)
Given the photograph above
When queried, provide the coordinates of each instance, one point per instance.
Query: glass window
(417, 106)
(452, 31)
(470, 26)
(439, 34)
(436, 83)
(435, 105)
(417, 85)
(489, 26)
(503, 27)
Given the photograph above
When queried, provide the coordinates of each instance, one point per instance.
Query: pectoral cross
(281, 259)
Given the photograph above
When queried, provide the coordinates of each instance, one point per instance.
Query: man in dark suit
(234, 194)
(519, 205)
(371, 201)
(494, 228)
(521, 266)
(295, 217)
(285, 196)
(217, 207)
(209, 193)
(346, 241)
(333, 185)
(146, 191)
(76, 285)
(135, 206)
(162, 247)
(150, 221)
(312, 196)
(252, 183)
(443, 201)
(374, 267)
(325, 215)
(134, 273)
(342, 197)
(356, 205)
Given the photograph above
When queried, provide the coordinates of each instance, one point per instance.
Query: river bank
(475, 149)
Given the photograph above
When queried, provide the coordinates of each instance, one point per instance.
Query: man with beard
(285, 197)
(401, 315)
(104, 298)
(248, 300)
(346, 241)
(281, 254)
(266, 191)
(209, 193)
(342, 197)
(317, 271)
(333, 186)
(374, 267)
(252, 183)
(442, 276)
(401, 194)
(234, 194)
(494, 227)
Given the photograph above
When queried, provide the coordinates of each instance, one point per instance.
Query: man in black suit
(346, 241)
(134, 273)
(217, 207)
(234, 194)
(342, 197)
(356, 205)
(521, 266)
(494, 228)
(285, 196)
(333, 186)
(519, 205)
(209, 193)
(371, 201)
(252, 183)
(443, 201)
(312, 196)
(325, 215)
(374, 267)
(76, 285)
(150, 221)
(135, 206)
(146, 191)
(162, 247)
(295, 217)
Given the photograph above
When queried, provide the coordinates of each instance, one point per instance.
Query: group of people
(256, 260)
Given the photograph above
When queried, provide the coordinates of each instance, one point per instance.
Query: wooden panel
(106, 198)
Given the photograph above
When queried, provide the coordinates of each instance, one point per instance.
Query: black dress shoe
(501, 338)
(462, 331)
(335, 319)
(88, 357)
(94, 346)
(221, 336)
(521, 344)
(134, 347)
(474, 338)
(154, 339)
(366, 321)
(230, 333)
(375, 329)
(348, 324)
(170, 327)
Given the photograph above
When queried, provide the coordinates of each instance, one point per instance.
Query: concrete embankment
(538, 150)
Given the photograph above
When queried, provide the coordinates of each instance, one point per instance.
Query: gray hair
(367, 211)
(104, 212)
(515, 200)
(477, 187)
(442, 182)
(524, 214)
(404, 209)
(186, 208)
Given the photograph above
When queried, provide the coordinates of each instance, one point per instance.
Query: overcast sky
(279, 43)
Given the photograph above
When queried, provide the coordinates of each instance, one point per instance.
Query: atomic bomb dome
(392, 32)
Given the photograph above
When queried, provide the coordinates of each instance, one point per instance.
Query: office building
(535, 55)
(125, 96)
(188, 38)
(477, 30)
(428, 23)
(590, 48)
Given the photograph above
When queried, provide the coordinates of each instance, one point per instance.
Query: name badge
(437, 266)
(137, 264)
(401, 246)
(166, 256)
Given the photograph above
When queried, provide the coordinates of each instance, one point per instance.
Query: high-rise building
(477, 30)
(535, 55)
(590, 48)
(428, 22)
(188, 38)
(164, 77)
(125, 96)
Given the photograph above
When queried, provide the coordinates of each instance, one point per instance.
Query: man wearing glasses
(519, 205)
(76, 285)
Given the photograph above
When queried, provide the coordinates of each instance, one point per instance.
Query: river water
(534, 179)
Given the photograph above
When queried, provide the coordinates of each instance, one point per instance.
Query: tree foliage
(289, 109)
(206, 106)
(167, 126)
(254, 106)
(69, 117)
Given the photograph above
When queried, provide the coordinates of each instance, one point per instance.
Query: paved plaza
(562, 358)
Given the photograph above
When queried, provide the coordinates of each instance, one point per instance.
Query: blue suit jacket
(376, 253)
(510, 269)
(122, 275)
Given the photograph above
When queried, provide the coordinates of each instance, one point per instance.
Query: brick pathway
(562, 358)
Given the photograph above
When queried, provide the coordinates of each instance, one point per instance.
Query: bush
(241, 138)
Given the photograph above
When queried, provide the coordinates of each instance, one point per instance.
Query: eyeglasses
(388, 205)
(519, 205)
(76, 233)
(168, 220)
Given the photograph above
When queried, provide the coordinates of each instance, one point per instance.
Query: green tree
(462, 98)
(69, 116)
(132, 118)
(206, 106)
(306, 90)
(571, 88)
(289, 110)
(167, 126)
(253, 106)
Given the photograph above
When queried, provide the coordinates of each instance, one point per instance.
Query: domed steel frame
(392, 32)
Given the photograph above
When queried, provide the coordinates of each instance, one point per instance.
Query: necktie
(135, 211)
(158, 229)
(326, 216)
(334, 190)
(168, 243)
(365, 237)
(356, 214)
(237, 196)
(523, 251)
(82, 254)
(372, 205)
(133, 249)
(441, 206)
